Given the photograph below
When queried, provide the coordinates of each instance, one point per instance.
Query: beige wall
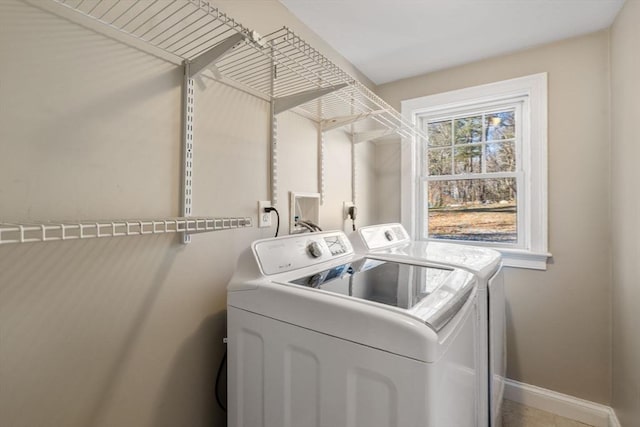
(387, 159)
(128, 331)
(559, 319)
(625, 150)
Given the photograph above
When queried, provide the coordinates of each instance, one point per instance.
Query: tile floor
(517, 415)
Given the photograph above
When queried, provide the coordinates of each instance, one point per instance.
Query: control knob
(388, 235)
(314, 249)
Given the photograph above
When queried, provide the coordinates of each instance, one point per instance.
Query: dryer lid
(483, 262)
(392, 240)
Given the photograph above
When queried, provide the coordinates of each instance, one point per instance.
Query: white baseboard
(564, 405)
(613, 419)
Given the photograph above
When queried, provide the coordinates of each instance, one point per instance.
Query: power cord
(352, 212)
(272, 209)
(220, 368)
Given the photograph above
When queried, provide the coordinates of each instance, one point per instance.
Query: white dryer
(319, 336)
(392, 242)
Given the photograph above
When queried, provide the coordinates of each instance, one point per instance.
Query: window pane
(468, 129)
(468, 159)
(501, 156)
(500, 125)
(439, 133)
(473, 209)
(440, 161)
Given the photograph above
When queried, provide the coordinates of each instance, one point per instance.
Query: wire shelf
(47, 232)
(306, 66)
(275, 66)
(182, 28)
(279, 67)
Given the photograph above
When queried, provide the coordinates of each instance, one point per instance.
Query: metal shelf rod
(190, 51)
(169, 37)
(164, 20)
(232, 60)
(149, 20)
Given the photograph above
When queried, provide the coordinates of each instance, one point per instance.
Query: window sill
(524, 259)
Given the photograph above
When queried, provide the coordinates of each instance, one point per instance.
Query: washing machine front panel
(281, 375)
(285, 376)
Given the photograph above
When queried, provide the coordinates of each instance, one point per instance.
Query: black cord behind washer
(272, 209)
(220, 368)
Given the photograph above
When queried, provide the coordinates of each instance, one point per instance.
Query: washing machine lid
(432, 294)
(483, 262)
(393, 241)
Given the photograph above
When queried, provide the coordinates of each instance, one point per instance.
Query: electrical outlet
(264, 218)
(345, 209)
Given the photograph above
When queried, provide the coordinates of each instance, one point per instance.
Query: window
(480, 176)
(469, 175)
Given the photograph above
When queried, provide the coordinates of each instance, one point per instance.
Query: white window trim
(534, 88)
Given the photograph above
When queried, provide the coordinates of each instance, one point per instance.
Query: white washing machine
(319, 336)
(392, 242)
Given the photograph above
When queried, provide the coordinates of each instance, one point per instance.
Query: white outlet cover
(264, 218)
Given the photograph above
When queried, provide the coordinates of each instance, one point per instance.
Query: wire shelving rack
(279, 67)
(50, 231)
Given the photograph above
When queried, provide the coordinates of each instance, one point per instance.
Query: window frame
(532, 250)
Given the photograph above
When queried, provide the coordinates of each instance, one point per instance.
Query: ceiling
(392, 39)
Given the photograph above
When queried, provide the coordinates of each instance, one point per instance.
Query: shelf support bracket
(273, 135)
(205, 59)
(336, 122)
(273, 151)
(188, 105)
(321, 156)
(354, 170)
(285, 103)
(321, 165)
(372, 135)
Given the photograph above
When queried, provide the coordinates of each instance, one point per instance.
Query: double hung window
(470, 174)
(480, 175)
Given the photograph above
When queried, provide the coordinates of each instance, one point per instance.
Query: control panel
(383, 236)
(282, 254)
